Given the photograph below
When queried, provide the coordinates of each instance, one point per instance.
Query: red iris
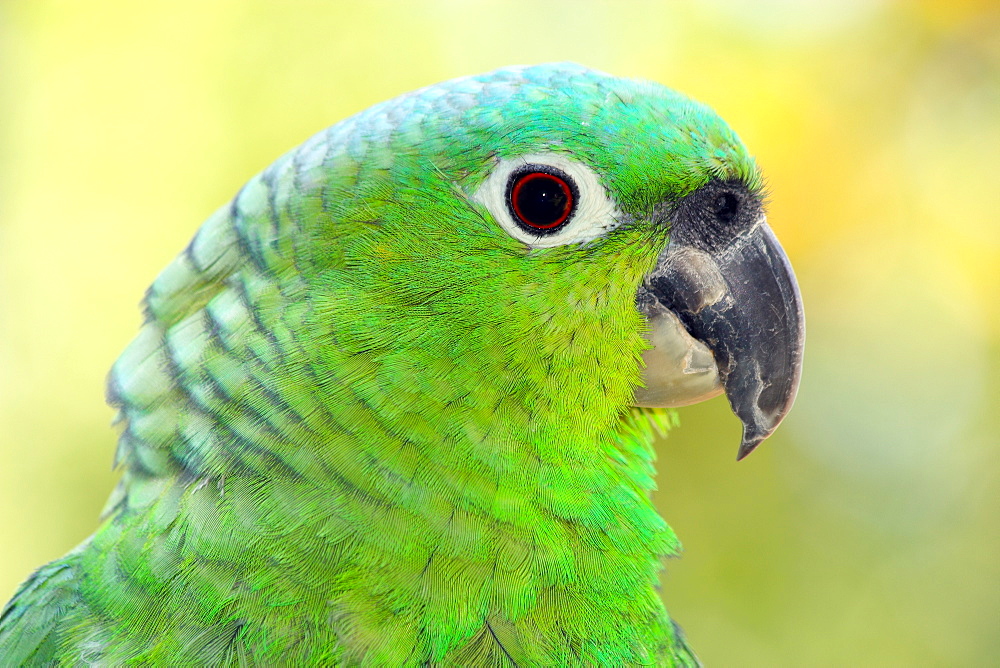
(541, 200)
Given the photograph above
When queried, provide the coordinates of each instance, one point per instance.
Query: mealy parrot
(394, 404)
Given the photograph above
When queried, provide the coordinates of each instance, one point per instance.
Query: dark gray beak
(733, 290)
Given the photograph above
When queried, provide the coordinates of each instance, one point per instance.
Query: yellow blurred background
(865, 532)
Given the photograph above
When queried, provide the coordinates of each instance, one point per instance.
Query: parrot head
(391, 404)
(587, 243)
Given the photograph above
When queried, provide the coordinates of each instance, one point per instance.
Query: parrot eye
(541, 199)
(548, 199)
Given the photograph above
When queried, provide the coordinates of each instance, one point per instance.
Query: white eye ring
(593, 215)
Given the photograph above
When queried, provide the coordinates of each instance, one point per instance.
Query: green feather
(362, 424)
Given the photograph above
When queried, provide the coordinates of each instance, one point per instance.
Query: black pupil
(727, 205)
(541, 200)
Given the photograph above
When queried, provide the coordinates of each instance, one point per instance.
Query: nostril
(726, 207)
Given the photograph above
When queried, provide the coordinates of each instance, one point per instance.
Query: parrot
(395, 403)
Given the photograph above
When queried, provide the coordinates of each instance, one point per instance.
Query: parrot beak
(724, 317)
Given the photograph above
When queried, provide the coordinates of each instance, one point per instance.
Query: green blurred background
(865, 532)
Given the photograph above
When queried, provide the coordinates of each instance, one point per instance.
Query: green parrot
(394, 404)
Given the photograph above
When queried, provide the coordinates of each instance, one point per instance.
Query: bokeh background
(865, 532)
